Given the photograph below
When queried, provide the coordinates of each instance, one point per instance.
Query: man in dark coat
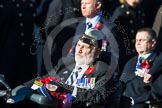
(136, 69)
(93, 18)
(58, 12)
(91, 10)
(85, 77)
(131, 17)
(17, 53)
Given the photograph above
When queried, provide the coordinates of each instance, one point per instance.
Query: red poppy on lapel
(90, 70)
(145, 64)
(98, 25)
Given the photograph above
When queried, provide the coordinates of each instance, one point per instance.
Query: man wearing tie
(93, 18)
(137, 68)
(84, 76)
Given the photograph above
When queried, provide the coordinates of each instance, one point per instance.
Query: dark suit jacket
(157, 77)
(135, 87)
(111, 32)
(107, 27)
(129, 20)
(157, 67)
(101, 91)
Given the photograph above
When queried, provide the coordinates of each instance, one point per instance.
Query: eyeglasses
(142, 40)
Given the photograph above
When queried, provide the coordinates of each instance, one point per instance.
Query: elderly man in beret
(82, 78)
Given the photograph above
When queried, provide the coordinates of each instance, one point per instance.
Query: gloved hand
(19, 94)
(125, 102)
(132, 101)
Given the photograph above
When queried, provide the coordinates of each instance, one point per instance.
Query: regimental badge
(65, 72)
(104, 45)
(51, 87)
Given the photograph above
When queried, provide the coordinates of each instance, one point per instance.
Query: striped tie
(74, 76)
(138, 66)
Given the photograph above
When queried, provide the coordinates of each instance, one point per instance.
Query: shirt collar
(94, 20)
(146, 55)
(82, 66)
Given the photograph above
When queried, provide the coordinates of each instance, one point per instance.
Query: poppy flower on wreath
(145, 64)
(46, 80)
(90, 70)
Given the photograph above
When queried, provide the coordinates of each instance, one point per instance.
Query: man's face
(143, 44)
(84, 53)
(133, 3)
(88, 8)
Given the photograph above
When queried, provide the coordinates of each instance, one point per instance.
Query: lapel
(79, 31)
(66, 71)
(152, 57)
(100, 70)
(81, 27)
(129, 69)
(132, 66)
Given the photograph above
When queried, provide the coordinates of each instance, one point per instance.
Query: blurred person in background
(58, 12)
(16, 29)
(94, 18)
(157, 26)
(131, 16)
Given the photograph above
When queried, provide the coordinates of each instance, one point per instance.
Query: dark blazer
(157, 67)
(157, 77)
(135, 87)
(101, 91)
(129, 20)
(111, 31)
(107, 27)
